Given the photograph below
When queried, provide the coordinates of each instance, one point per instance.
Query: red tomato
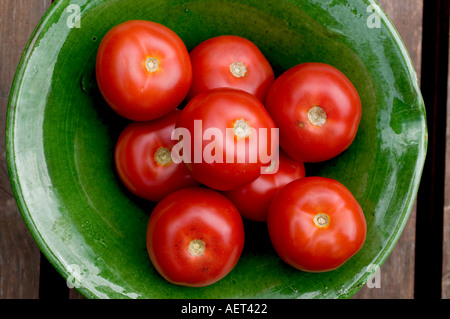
(317, 109)
(195, 237)
(253, 200)
(315, 224)
(143, 159)
(230, 61)
(143, 70)
(229, 135)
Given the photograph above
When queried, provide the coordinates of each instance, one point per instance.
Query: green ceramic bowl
(61, 135)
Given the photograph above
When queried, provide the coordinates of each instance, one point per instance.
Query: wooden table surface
(419, 265)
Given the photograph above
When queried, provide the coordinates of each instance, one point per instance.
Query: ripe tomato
(253, 200)
(143, 70)
(230, 136)
(315, 224)
(195, 237)
(230, 61)
(317, 109)
(143, 159)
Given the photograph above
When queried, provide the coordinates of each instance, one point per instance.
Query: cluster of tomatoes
(235, 151)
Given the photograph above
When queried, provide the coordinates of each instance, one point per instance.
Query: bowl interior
(61, 136)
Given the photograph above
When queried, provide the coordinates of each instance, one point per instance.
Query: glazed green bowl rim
(59, 264)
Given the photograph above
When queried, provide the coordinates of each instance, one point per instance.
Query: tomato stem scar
(238, 69)
(317, 116)
(241, 128)
(321, 220)
(151, 64)
(197, 247)
(163, 156)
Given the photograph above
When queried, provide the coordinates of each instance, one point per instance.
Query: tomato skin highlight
(124, 59)
(195, 214)
(310, 136)
(253, 199)
(295, 235)
(135, 161)
(212, 62)
(220, 109)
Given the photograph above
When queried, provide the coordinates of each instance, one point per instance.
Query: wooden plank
(19, 254)
(431, 197)
(74, 294)
(446, 229)
(396, 279)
